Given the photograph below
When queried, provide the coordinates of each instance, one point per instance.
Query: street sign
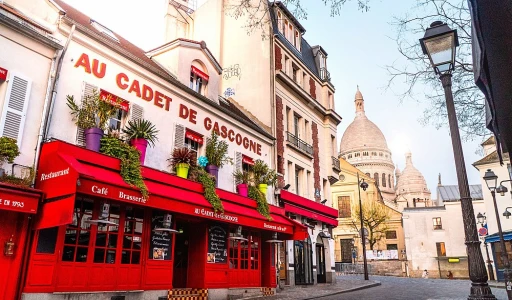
(482, 231)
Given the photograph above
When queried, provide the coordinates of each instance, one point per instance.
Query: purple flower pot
(242, 189)
(92, 138)
(141, 145)
(214, 171)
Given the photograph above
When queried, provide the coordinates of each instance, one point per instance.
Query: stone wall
(459, 270)
(387, 268)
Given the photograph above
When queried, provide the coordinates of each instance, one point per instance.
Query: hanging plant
(130, 161)
(210, 194)
(263, 208)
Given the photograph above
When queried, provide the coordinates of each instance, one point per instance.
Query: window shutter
(87, 90)
(179, 136)
(238, 165)
(15, 107)
(137, 112)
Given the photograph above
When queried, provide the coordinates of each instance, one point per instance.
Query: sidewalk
(344, 285)
(496, 284)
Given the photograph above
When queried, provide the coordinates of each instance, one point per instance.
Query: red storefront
(96, 233)
(17, 207)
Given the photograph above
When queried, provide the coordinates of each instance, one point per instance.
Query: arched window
(380, 153)
(376, 177)
(374, 153)
(198, 77)
(357, 154)
(383, 180)
(389, 181)
(350, 156)
(368, 174)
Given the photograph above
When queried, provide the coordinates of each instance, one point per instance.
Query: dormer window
(198, 80)
(297, 40)
(104, 30)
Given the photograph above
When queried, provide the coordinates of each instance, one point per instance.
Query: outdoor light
(274, 239)
(491, 179)
(364, 185)
(481, 218)
(286, 187)
(507, 214)
(323, 201)
(238, 235)
(166, 225)
(439, 44)
(501, 190)
(9, 247)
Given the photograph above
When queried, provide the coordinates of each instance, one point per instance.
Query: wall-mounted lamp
(323, 201)
(9, 247)
(286, 187)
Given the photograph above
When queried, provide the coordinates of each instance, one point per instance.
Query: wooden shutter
(179, 136)
(87, 90)
(136, 112)
(15, 107)
(238, 165)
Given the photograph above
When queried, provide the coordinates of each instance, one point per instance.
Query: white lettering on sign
(51, 175)
(97, 190)
(274, 227)
(131, 197)
(6, 202)
(212, 214)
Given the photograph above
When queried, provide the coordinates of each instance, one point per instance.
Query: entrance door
(11, 225)
(346, 250)
(180, 274)
(320, 263)
(303, 262)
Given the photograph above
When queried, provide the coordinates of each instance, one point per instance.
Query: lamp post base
(480, 290)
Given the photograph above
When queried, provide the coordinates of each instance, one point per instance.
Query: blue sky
(359, 45)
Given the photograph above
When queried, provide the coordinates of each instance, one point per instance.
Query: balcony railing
(300, 144)
(325, 75)
(336, 164)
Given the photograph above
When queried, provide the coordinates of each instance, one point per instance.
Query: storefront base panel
(141, 295)
(331, 277)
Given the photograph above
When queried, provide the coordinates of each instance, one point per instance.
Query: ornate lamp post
(361, 184)
(492, 181)
(439, 44)
(482, 220)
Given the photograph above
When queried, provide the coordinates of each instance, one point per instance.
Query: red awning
(200, 73)
(114, 100)
(310, 209)
(247, 160)
(196, 137)
(14, 198)
(95, 174)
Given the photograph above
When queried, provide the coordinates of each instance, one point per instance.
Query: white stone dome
(411, 180)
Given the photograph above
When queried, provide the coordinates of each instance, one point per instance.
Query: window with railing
(325, 75)
(299, 144)
(336, 164)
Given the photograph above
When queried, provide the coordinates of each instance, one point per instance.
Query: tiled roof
(450, 193)
(491, 158)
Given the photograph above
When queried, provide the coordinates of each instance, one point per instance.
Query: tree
(375, 217)
(421, 80)
(256, 11)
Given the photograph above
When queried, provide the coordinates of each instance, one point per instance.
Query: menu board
(160, 246)
(217, 244)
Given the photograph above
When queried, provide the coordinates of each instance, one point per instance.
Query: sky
(359, 46)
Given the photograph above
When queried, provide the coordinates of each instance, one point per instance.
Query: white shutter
(87, 90)
(137, 112)
(179, 136)
(15, 107)
(238, 165)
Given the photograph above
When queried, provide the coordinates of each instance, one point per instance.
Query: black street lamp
(492, 181)
(481, 219)
(361, 184)
(439, 43)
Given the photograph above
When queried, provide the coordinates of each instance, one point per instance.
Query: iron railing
(300, 144)
(325, 75)
(336, 164)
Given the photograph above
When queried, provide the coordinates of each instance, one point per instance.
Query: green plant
(93, 112)
(263, 208)
(25, 180)
(263, 174)
(8, 150)
(241, 176)
(130, 161)
(216, 151)
(141, 129)
(182, 156)
(208, 182)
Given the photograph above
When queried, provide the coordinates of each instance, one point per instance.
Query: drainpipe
(49, 101)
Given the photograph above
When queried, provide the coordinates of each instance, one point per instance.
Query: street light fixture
(491, 181)
(439, 43)
(361, 184)
(482, 219)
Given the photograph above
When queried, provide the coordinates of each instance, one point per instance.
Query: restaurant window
(105, 248)
(47, 240)
(437, 223)
(441, 250)
(344, 210)
(132, 241)
(391, 234)
(78, 233)
(244, 255)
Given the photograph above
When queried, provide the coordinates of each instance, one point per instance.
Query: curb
(377, 283)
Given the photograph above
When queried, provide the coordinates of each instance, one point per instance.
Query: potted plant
(182, 159)
(8, 151)
(263, 176)
(92, 115)
(242, 178)
(140, 133)
(216, 153)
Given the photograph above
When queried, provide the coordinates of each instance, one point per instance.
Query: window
(384, 180)
(296, 73)
(297, 180)
(296, 40)
(193, 146)
(441, 250)
(304, 81)
(244, 254)
(368, 174)
(132, 241)
(437, 223)
(107, 236)
(389, 180)
(78, 233)
(380, 153)
(391, 247)
(296, 125)
(350, 156)
(376, 178)
(344, 210)
(281, 23)
(196, 83)
(290, 33)
(390, 235)
(374, 153)
(47, 240)
(357, 154)
(285, 29)
(365, 153)
(104, 30)
(116, 122)
(286, 63)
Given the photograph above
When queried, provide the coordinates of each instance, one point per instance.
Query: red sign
(19, 201)
(200, 73)
(3, 74)
(247, 160)
(194, 136)
(482, 231)
(114, 100)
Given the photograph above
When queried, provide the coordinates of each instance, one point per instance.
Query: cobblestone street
(398, 288)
